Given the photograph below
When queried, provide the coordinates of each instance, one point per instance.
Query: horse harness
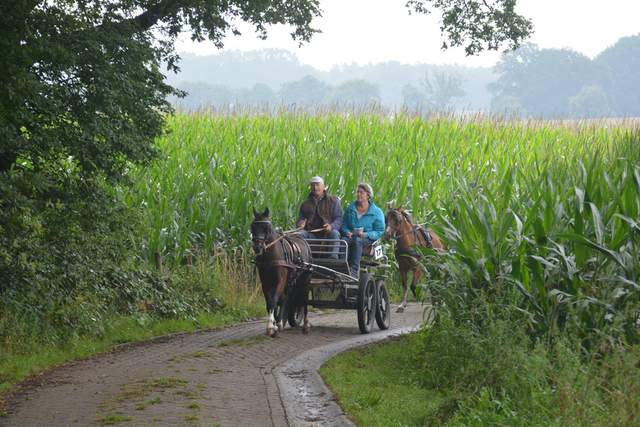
(415, 230)
(292, 259)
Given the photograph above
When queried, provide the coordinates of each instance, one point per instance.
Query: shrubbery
(66, 266)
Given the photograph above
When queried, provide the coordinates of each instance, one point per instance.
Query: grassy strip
(375, 386)
(498, 380)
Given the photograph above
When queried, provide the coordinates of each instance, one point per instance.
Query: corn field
(548, 208)
(219, 165)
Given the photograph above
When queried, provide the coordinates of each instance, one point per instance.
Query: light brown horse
(284, 266)
(399, 226)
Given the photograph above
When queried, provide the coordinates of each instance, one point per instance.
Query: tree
(237, 68)
(621, 79)
(439, 93)
(308, 90)
(202, 93)
(356, 91)
(591, 101)
(413, 97)
(506, 105)
(478, 24)
(260, 93)
(542, 80)
(444, 90)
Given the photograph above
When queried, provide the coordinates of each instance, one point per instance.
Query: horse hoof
(306, 330)
(274, 334)
(400, 310)
(280, 326)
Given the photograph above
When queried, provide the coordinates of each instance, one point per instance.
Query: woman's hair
(367, 189)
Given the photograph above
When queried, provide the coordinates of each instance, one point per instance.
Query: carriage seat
(370, 250)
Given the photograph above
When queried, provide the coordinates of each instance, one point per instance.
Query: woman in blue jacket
(362, 224)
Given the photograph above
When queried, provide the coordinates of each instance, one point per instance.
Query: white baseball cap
(316, 179)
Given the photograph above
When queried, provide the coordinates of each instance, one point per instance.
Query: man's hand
(327, 228)
(302, 223)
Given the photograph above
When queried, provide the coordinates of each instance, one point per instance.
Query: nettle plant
(564, 233)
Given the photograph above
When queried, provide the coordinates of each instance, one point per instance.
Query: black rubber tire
(367, 303)
(296, 316)
(383, 313)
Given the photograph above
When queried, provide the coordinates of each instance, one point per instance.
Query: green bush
(66, 264)
(454, 356)
(499, 377)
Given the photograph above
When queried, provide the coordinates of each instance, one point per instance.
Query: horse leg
(271, 322)
(417, 272)
(306, 326)
(281, 314)
(305, 286)
(403, 275)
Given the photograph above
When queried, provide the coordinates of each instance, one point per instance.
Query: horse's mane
(408, 217)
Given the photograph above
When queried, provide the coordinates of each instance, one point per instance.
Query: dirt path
(219, 377)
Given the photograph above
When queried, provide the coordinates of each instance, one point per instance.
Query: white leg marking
(271, 323)
(306, 327)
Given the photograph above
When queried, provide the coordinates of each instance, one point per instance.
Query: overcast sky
(373, 31)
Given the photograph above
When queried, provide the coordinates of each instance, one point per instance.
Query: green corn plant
(567, 241)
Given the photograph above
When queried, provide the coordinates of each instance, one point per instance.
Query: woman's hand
(362, 235)
(349, 234)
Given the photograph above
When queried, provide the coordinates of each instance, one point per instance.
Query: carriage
(296, 273)
(332, 287)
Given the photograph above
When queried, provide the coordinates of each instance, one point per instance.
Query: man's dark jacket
(326, 211)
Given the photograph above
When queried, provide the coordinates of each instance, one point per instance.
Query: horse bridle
(399, 220)
(261, 240)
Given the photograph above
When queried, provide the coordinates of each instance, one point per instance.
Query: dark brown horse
(284, 266)
(399, 226)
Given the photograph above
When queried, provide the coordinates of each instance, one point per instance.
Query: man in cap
(321, 211)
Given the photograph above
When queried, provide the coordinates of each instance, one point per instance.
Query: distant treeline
(547, 82)
(277, 76)
(530, 81)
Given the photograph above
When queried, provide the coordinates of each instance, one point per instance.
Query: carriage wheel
(367, 303)
(383, 313)
(296, 316)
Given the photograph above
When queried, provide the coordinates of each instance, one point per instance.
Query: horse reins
(292, 259)
(291, 232)
(414, 229)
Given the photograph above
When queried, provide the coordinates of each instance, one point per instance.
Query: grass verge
(423, 379)
(375, 385)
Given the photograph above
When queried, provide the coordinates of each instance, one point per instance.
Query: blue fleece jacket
(372, 221)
